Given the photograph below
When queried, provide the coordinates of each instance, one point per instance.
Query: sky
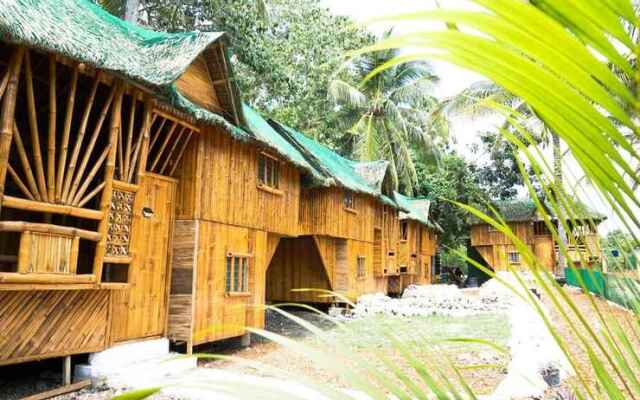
(452, 78)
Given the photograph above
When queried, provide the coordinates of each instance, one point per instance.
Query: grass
(365, 333)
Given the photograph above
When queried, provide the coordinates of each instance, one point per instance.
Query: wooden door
(141, 310)
(544, 251)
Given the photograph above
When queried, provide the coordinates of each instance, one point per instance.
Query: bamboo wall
(200, 310)
(321, 262)
(322, 212)
(43, 324)
(416, 252)
(219, 183)
(495, 246)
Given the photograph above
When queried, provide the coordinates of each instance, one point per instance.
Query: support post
(245, 340)
(66, 371)
(105, 201)
(7, 114)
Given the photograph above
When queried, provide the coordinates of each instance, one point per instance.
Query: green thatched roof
(524, 210)
(83, 31)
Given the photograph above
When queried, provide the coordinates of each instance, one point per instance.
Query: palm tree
(386, 114)
(475, 101)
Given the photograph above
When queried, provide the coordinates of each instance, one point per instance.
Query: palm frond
(342, 92)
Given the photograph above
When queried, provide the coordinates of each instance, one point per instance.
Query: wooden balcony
(47, 257)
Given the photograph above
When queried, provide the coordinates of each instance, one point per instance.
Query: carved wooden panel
(120, 221)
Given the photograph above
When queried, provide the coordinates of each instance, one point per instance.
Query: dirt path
(575, 346)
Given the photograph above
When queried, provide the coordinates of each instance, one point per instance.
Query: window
(540, 228)
(349, 200)
(404, 230)
(492, 228)
(425, 270)
(237, 274)
(268, 172)
(514, 257)
(362, 268)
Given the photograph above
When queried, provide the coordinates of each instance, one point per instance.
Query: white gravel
(445, 300)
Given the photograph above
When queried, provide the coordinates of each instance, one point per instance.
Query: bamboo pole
(24, 160)
(136, 151)
(91, 195)
(19, 182)
(144, 148)
(164, 144)
(107, 191)
(28, 205)
(4, 82)
(76, 149)
(53, 112)
(157, 134)
(33, 125)
(89, 149)
(180, 153)
(132, 118)
(62, 161)
(173, 149)
(92, 174)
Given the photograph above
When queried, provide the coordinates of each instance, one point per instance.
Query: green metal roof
(263, 132)
(417, 209)
(340, 171)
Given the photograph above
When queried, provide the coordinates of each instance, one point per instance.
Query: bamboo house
(583, 241)
(140, 198)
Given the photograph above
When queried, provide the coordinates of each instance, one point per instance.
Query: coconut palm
(386, 114)
(476, 101)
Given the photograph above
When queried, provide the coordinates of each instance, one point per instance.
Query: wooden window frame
(361, 267)
(517, 258)
(269, 173)
(237, 271)
(349, 202)
(404, 231)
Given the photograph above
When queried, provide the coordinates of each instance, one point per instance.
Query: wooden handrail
(30, 205)
(40, 278)
(19, 226)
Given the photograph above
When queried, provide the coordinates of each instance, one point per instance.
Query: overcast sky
(452, 78)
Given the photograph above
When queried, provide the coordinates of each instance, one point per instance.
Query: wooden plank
(68, 388)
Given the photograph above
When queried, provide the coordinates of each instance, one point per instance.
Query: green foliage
(626, 248)
(285, 52)
(386, 115)
(453, 179)
(499, 175)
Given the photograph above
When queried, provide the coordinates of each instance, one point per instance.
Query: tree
(387, 113)
(453, 179)
(477, 100)
(285, 52)
(499, 175)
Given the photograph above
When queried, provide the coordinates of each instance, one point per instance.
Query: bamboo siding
(43, 324)
(219, 183)
(322, 212)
